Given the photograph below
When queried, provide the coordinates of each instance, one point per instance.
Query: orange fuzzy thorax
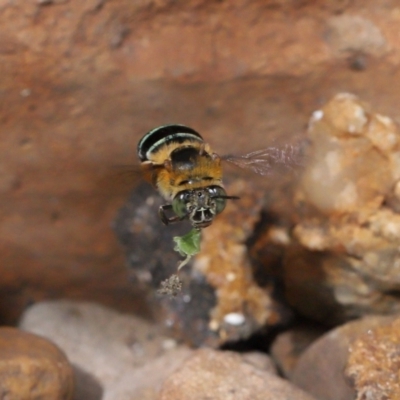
(170, 181)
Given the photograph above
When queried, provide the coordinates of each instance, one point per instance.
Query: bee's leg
(148, 171)
(167, 165)
(162, 215)
(167, 220)
(215, 157)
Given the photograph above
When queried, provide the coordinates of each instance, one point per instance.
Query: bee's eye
(218, 194)
(179, 204)
(221, 203)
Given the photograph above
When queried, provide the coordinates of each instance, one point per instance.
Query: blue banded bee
(188, 174)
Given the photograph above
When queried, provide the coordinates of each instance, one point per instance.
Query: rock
(151, 258)
(374, 361)
(32, 367)
(260, 361)
(320, 369)
(114, 355)
(344, 261)
(242, 306)
(288, 346)
(220, 301)
(81, 82)
(222, 375)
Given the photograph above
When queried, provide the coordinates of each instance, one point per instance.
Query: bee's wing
(119, 178)
(265, 161)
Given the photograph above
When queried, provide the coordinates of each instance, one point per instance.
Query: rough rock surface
(81, 82)
(221, 300)
(320, 370)
(345, 261)
(32, 367)
(211, 374)
(374, 363)
(115, 356)
(242, 306)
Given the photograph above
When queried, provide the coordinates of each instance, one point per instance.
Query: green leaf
(189, 244)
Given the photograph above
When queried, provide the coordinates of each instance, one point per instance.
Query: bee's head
(200, 206)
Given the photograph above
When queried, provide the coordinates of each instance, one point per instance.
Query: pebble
(223, 375)
(33, 368)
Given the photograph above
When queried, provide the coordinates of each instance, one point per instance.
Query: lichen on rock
(373, 363)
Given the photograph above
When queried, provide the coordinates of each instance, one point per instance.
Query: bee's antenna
(226, 197)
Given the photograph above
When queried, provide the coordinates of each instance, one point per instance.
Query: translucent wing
(118, 179)
(265, 161)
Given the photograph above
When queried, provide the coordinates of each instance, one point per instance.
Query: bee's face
(200, 206)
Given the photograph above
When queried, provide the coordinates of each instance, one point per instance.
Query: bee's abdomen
(163, 135)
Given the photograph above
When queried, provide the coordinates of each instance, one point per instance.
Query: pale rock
(119, 356)
(217, 375)
(345, 261)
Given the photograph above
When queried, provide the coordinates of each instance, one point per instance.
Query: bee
(188, 174)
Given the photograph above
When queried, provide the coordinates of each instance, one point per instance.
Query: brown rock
(81, 82)
(320, 369)
(115, 356)
(374, 363)
(289, 345)
(32, 367)
(222, 375)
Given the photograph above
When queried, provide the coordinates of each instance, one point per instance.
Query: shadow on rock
(87, 386)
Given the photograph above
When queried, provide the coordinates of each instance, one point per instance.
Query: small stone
(218, 375)
(234, 319)
(32, 367)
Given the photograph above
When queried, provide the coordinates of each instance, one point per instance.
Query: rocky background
(311, 247)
